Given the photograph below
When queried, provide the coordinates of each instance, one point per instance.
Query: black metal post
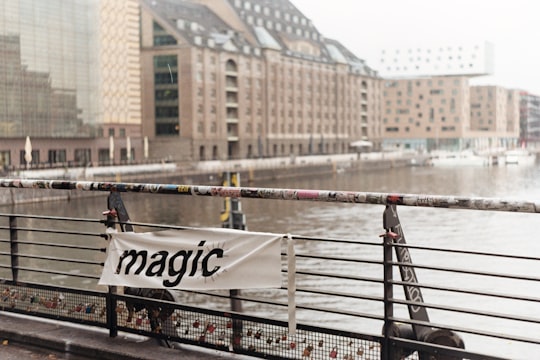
(112, 316)
(388, 295)
(14, 248)
(233, 218)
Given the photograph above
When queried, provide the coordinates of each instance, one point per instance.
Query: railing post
(388, 295)
(14, 248)
(233, 218)
(112, 315)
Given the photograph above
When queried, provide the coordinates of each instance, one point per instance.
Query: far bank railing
(347, 301)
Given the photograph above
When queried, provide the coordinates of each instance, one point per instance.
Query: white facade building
(473, 59)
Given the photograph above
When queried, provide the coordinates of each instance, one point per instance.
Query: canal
(506, 233)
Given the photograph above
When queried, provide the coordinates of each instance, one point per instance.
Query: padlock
(229, 324)
(321, 343)
(333, 353)
(269, 340)
(196, 324)
(202, 338)
(210, 328)
(292, 345)
(258, 334)
(360, 351)
(306, 352)
(249, 332)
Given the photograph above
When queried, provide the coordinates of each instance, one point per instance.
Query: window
(167, 129)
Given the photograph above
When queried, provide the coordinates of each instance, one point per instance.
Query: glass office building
(48, 68)
(69, 79)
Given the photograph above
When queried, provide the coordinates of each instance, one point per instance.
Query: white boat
(519, 157)
(459, 158)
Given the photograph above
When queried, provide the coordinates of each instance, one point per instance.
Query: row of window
(395, 129)
(428, 50)
(411, 120)
(420, 114)
(81, 157)
(247, 5)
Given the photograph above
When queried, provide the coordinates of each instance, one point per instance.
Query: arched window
(231, 66)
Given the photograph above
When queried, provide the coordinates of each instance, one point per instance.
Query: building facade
(470, 59)
(444, 112)
(233, 79)
(428, 103)
(529, 119)
(69, 78)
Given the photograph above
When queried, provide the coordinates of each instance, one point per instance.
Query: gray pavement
(25, 337)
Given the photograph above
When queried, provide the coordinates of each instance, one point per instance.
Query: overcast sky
(367, 27)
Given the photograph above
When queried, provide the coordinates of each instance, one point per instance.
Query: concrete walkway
(87, 342)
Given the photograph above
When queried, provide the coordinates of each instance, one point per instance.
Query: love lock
(333, 353)
(210, 328)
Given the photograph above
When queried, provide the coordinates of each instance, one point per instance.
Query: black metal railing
(348, 292)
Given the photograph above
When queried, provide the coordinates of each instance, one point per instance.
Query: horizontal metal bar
(468, 330)
(437, 201)
(61, 232)
(338, 276)
(340, 294)
(51, 258)
(336, 240)
(311, 308)
(491, 314)
(466, 252)
(65, 246)
(337, 258)
(467, 291)
(464, 271)
(47, 217)
(86, 276)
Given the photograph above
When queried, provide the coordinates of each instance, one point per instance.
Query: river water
(507, 233)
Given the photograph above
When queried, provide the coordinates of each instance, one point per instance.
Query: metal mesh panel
(256, 338)
(54, 303)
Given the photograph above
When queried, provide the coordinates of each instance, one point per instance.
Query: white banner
(194, 259)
